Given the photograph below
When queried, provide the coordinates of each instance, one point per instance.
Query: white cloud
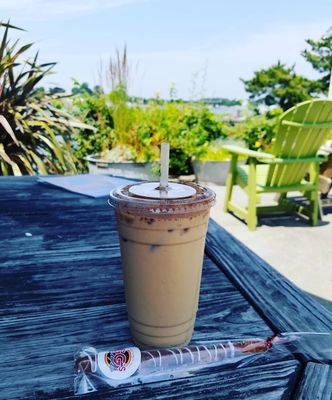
(215, 64)
(46, 9)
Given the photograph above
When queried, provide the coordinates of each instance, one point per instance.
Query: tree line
(279, 84)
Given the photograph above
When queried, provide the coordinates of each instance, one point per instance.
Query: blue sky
(202, 47)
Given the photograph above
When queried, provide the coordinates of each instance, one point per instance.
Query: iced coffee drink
(162, 239)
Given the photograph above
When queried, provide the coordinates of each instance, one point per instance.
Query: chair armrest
(319, 159)
(268, 158)
(246, 152)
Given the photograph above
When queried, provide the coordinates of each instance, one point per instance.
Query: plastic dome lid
(148, 198)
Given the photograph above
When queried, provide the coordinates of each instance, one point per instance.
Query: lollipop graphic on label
(118, 360)
(119, 364)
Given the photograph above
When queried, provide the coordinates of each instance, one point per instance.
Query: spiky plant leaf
(8, 129)
(8, 25)
(34, 135)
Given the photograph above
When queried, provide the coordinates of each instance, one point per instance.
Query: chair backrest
(301, 132)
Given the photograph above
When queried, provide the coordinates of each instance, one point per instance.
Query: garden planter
(126, 169)
(212, 171)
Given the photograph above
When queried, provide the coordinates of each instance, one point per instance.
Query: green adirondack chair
(294, 155)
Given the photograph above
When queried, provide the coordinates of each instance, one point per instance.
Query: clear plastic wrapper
(131, 366)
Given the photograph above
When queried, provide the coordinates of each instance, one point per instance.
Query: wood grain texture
(285, 307)
(316, 383)
(61, 288)
(271, 381)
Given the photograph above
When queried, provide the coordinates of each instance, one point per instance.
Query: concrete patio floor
(297, 250)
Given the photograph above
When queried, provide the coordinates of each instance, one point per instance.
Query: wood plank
(50, 376)
(272, 381)
(285, 307)
(45, 274)
(316, 383)
(48, 333)
(222, 313)
(61, 289)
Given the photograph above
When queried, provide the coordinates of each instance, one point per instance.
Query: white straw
(164, 163)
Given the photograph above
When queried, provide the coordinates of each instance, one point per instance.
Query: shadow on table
(288, 220)
(327, 206)
(294, 219)
(291, 219)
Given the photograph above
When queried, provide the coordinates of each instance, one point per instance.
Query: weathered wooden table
(61, 288)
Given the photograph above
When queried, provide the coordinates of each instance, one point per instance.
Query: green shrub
(120, 124)
(214, 151)
(93, 108)
(196, 127)
(257, 131)
(127, 131)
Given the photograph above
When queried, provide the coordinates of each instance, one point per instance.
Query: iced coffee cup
(162, 236)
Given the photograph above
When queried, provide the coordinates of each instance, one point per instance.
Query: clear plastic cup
(162, 238)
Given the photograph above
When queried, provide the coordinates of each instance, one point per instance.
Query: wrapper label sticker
(119, 364)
